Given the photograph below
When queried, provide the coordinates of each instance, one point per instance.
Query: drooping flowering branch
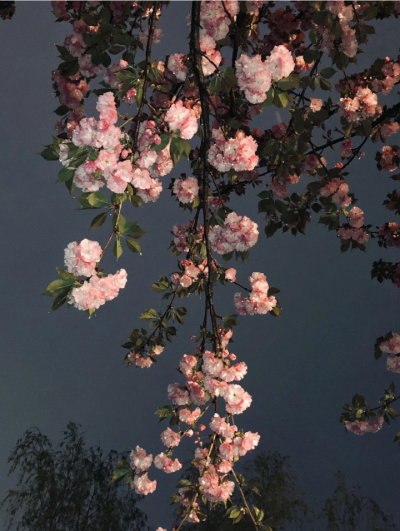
(193, 106)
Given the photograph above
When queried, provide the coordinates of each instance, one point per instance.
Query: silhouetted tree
(67, 487)
(274, 490)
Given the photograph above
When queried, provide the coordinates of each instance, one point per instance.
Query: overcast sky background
(302, 367)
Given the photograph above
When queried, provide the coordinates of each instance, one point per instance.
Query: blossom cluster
(392, 346)
(361, 427)
(81, 260)
(354, 229)
(338, 189)
(254, 77)
(363, 105)
(390, 234)
(238, 153)
(186, 190)
(258, 301)
(239, 233)
(189, 273)
(207, 375)
(98, 290)
(113, 164)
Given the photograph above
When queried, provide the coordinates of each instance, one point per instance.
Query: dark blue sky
(302, 367)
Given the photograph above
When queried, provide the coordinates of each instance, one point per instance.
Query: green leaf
(270, 97)
(345, 245)
(184, 483)
(318, 116)
(118, 475)
(196, 202)
(235, 124)
(57, 286)
(327, 73)
(161, 285)
(148, 314)
(98, 221)
(281, 99)
(92, 200)
(89, 20)
(97, 200)
(65, 175)
(133, 246)
(164, 143)
(61, 110)
(117, 249)
(132, 230)
(289, 82)
(314, 35)
(319, 17)
(49, 154)
(228, 80)
(235, 512)
(66, 275)
(369, 13)
(136, 200)
(60, 299)
(178, 148)
(276, 312)
(215, 85)
(325, 85)
(164, 412)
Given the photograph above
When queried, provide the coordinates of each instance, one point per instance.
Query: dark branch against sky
(61, 367)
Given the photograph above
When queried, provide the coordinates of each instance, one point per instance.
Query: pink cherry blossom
(144, 35)
(212, 366)
(280, 62)
(234, 373)
(356, 216)
(97, 291)
(170, 438)
(360, 427)
(393, 364)
(166, 464)
(86, 177)
(189, 417)
(346, 149)
(140, 461)
(152, 193)
(186, 189)
(212, 58)
(187, 365)
(254, 6)
(363, 105)
(238, 153)
(226, 451)
(178, 396)
(81, 259)
(238, 234)
(177, 67)
(258, 302)
(106, 107)
(316, 104)
(86, 134)
(179, 118)
(197, 394)
(120, 177)
(143, 485)
(237, 399)
(254, 77)
(245, 443)
(213, 489)
(230, 274)
(392, 345)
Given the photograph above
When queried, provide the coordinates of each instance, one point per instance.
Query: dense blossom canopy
(207, 105)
